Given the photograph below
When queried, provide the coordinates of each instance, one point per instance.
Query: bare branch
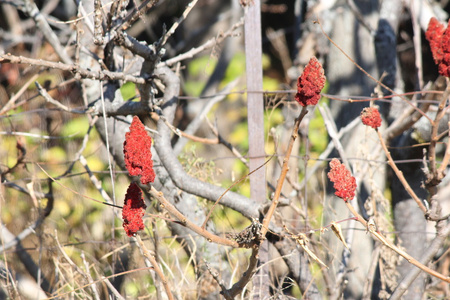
(32, 10)
(84, 73)
(156, 267)
(208, 45)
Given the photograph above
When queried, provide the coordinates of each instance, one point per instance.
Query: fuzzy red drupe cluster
(344, 182)
(370, 116)
(310, 84)
(136, 148)
(133, 210)
(138, 160)
(439, 39)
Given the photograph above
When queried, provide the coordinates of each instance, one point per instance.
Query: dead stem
(189, 224)
(371, 227)
(399, 174)
(284, 171)
(155, 265)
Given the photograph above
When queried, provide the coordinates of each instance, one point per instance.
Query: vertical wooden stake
(255, 107)
(255, 100)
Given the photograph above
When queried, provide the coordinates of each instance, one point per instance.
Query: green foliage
(132, 289)
(226, 218)
(235, 69)
(239, 136)
(62, 209)
(54, 155)
(317, 134)
(270, 84)
(75, 128)
(45, 78)
(128, 91)
(9, 147)
(199, 69)
(95, 162)
(296, 293)
(203, 65)
(265, 61)
(196, 165)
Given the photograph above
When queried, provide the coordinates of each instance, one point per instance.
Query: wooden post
(255, 107)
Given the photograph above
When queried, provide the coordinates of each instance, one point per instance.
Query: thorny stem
(284, 171)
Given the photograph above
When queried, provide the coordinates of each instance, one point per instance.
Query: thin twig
(10, 103)
(137, 13)
(73, 191)
(368, 285)
(434, 177)
(209, 44)
(227, 144)
(177, 23)
(182, 133)
(371, 77)
(83, 146)
(245, 279)
(21, 236)
(284, 171)
(446, 158)
(97, 183)
(399, 174)
(231, 186)
(361, 19)
(189, 224)
(89, 277)
(215, 275)
(31, 9)
(417, 40)
(429, 253)
(112, 288)
(156, 267)
(111, 170)
(371, 227)
(198, 120)
(72, 264)
(43, 92)
(84, 73)
(329, 148)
